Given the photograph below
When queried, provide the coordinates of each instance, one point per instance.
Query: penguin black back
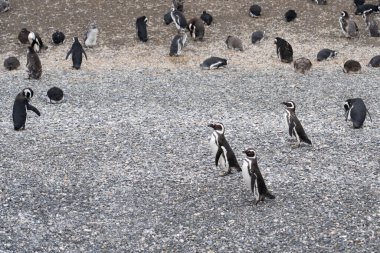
(374, 62)
(207, 18)
(356, 111)
(142, 32)
(58, 37)
(55, 95)
(76, 52)
(255, 11)
(325, 54)
(284, 50)
(168, 18)
(20, 106)
(290, 15)
(11, 63)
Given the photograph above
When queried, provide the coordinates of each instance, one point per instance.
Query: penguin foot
(225, 173)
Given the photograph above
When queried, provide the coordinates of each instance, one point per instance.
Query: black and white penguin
(365, 7)
(352, 66)
(36, 41)
(55, 95)
(302, 65)
(257, 36)
(284, 50)
(178, 19)
(33, 63)
(178, 43)
(252, 177)
(58, 37)
(356, 111)
(234, 43)
(371, 24)
(76, 52)
(196, 28)
(142, 32)
(20, 105)
(320, 2)
(325, 54)
(290, 15)
(168, 18)
(207, 18)
(4, 5)
(295, 127)
(23, 36)
(374, 62)
(255, 11)
(348, 26)
(11, 63)
(213, 63)
(224, 156)
(359, 2)
(178, 5)
(91, 36)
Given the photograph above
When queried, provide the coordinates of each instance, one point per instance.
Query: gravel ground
(123, 165)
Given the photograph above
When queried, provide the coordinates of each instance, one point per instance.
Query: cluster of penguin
(225, 159)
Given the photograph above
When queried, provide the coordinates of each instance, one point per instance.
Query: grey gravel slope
(124, 163)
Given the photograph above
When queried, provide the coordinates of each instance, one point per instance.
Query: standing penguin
(91, 35)
(348, 26)
(142, 32)
(356, 111)
(55, 95)
(371, 23)
(224, 156)
(253, 178)
(20, 105)
(33, 63)
(178, 19)
(234, 43)
(207, 18)
(325, 54)
(284, 50)
(76, 52)
(295, 127)
(196, 28)
(178, 43)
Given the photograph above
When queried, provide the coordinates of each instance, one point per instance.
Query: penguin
(255, 11)
(253, 178)
(76, 52)
(178, 43)
(224, 156)
(168, 18)
(23, 36)
(178, 19)
(234, 43)
(33, 63)
(58, 37)
(371, 23)
(178, 5)
(91, 35)
(352, 66)
(55, 95)
(20, 105)
(4, 5)
(302, 65)
(348, 26)
(295, 127)
(207, 18)
(196, 28)
(284, 50)
(213, 63)
(359, 2)
(320, 2)
(325, 54)
(365, 7)
(257, 36)
(11, 63)
(374, 62)
(142, 32)
(290, 15)
(356, 111)
(36, 41)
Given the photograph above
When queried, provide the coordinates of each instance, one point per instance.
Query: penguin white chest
(214, 143)
(245, 172)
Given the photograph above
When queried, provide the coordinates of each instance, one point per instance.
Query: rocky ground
(124, 164)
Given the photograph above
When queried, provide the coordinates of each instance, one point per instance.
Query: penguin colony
(225, 159)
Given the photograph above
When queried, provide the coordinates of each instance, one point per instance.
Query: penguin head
(367, 13)
(347, 105)
(290, 105)
(250, 152)
(27, 93)
(217, 126)
(344, 14)
(75, 39)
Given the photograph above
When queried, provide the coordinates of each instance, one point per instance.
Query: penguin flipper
(84, 53)
(68, 53)
(369, 115)
(32, 108)
(217, 156)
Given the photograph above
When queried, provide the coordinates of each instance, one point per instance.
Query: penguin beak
(211, 125)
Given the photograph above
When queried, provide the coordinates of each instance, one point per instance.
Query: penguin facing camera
(76, 52)
(20, 106)
(356, 111)
(252, 177)
(225, 158)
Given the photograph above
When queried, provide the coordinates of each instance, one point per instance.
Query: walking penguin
(20, 106)
(76, 52)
